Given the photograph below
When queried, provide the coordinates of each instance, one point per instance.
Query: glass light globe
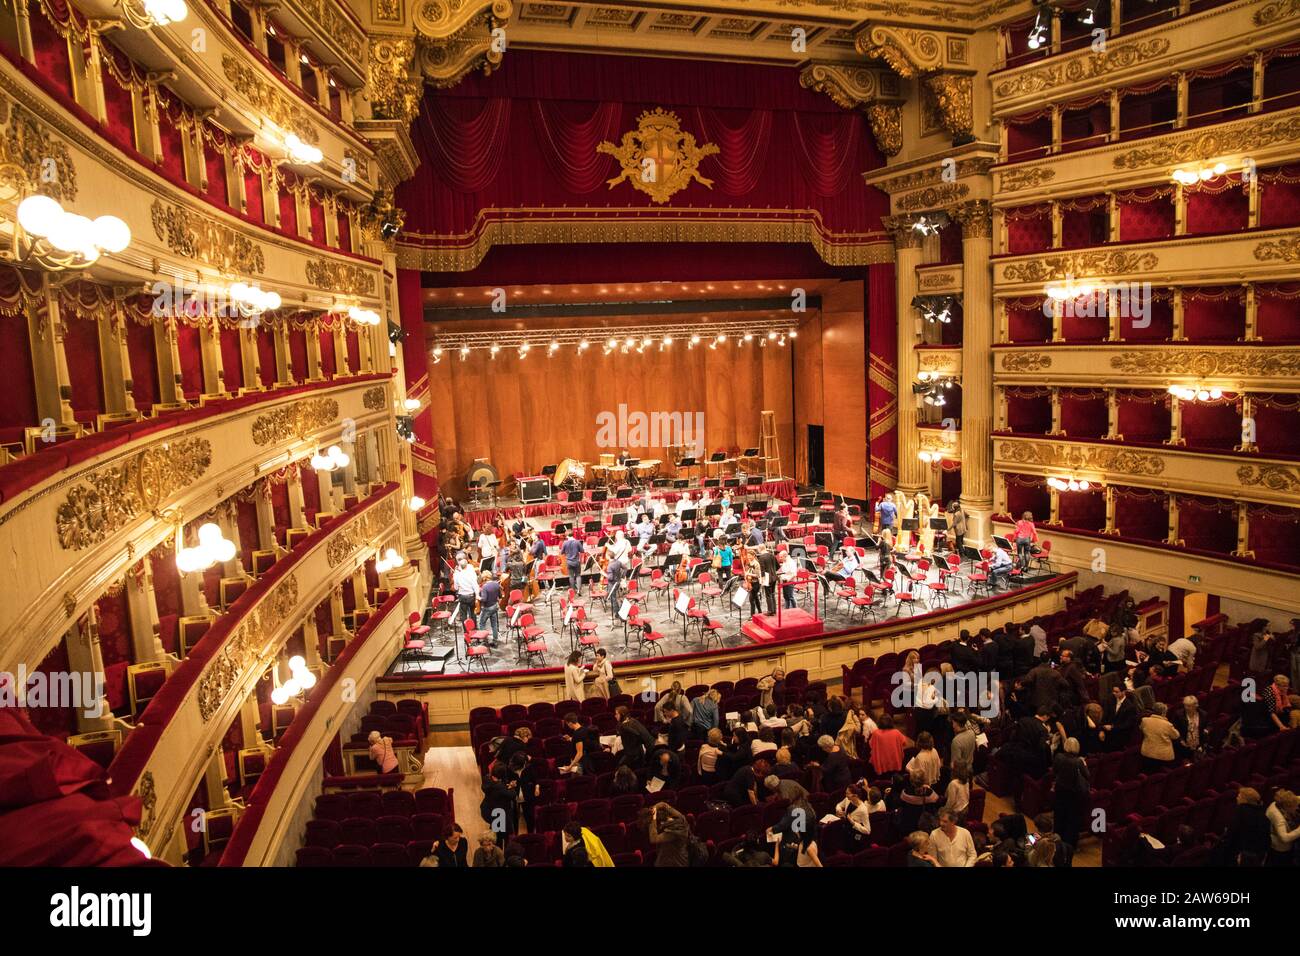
(392, 555)
(417, 503)
(142, 847)
(342, 459)
(1084, 486)
(1203, 394)
(110, 233)
(209, 533)
(273, 300)
(1220, 168)
(38, 215)
(279, 696)
(225, 551)
(292, 687)
(1216, 393)
(176, 10)
(185, 561)
(307, 679)
(71, 233)
(297, 662)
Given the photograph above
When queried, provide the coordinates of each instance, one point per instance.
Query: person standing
(604, 685)
(574, 674)
(788, 571)
(887, 512)
(670, 834)
(1026, 538)
(465, 582)
(768, 570)
(489, 597)
(1070, 789)
(953, 846)
(571, 549)
(957, 523)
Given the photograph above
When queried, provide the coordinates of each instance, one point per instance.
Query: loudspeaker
(533, 490)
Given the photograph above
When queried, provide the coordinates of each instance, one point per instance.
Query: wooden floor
(449, 762)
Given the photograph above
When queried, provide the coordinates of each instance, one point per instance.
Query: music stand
(600, 494)
(689, 515)
(618, 518)
(679, 483)
(731, 483)
(1004, 543)
(824, 538)
(938, 524)
(749, 453)
(592, 527)
(805, 501)
(910, 524)
(713, 510)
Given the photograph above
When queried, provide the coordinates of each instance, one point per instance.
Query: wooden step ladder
(768, 447)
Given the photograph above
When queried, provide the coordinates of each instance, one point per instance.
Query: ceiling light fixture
(57, 239)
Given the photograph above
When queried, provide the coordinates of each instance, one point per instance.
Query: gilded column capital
(953, 97)
(902, 230)
(976, 218)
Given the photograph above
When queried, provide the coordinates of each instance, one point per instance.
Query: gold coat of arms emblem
(659, 157)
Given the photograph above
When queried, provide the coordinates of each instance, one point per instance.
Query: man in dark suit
(635, 738)
(1121, 719)
(965, 660)
(767, 567)
(1076, 692)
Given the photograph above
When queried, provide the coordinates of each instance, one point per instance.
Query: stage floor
(834, 617)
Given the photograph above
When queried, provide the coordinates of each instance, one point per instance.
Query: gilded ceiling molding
(933, 197)
(394, 92)
(456, 36)
(462, 253)
(907, 52)
(1203, 363)
(194, 236)
(26, 147)
(1025, 361)
(875, 92)
(267, 98)
(1241, 136)
(1014, 180)
(1277, 12)
(1279, 478)
(976, 218)
(110, 497)
(344, 278)
(1074, 457)
(295, 420)
(671, 152)
(388, 11)
(1118, 56)
(440, 19)
(952, 96)
(1080, 264)
(1279, 250)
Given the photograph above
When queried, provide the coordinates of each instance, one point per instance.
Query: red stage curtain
(1278, 312)
(462, 140)
(1031, 416)
(1211, 425)
(1085, 510)
(1083, 416)
(1213, 314)
(144, 365)
(232, 360)
(266, 356)
(115, 628)
(81, 346)
(1141, 515)
(568, 134)
(298, 354)
(328, 365)
(172, 160)
(1141, 420)
(50, 49)
(18, 410)
(1274, 534)
(742, 150)
(1207, 524)
(882, 384)
(191, 352)
(215, 161)
(826, 147)
(1218, 205)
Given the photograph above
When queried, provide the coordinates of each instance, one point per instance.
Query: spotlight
(1038, 33)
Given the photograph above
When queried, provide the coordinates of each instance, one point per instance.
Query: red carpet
(764, 629)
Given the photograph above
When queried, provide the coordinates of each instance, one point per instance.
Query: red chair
(904, 598)
(476, 645)
(585, 631)
(534, 637)
(708, 590)
(647, 636)
(711, 630)
(659, 583)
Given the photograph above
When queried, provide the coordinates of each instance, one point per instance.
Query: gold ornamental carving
(1279, 250)
(848, 86)
(194, 236)
(907, 52)
(295, 420)
(1279, 478)
(387, 11)
(32, 159)
(1235, 138)
(336, 25)
(148, 794)
(110, 497)
(659, 157)
(942, 361)
(937, 280)
(345, 278)
(1093, 66)
(267, 98)
(976, 219)
(394, 93)
(439, 19)
(1277, 12)
(933, 197)
(1114, 460)
(373, 398)
(939, 440)
(1081, 264)
(368, 526)
(903, 231)
(1025, 361)
(886, 121)
(1260, 363)
(951, 94)
(243, 648)
(1014, 180)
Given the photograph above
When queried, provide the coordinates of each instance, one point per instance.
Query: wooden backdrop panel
(844, 390)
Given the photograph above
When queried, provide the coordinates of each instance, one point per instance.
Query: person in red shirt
(887, 746)
(1026, 538)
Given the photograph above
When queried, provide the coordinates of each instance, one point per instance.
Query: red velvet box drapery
(172, 158)
(1156, 326)
(328, 365)
(1084, 319)
(1217, 205)
(1029, 228)
(215, 162)
(1212, 424)
(191, 352)
(280, 508)
(1207, 524)
(232, 360)
(246, 521)
(317, 212)
(144, 365)
(298, 354)
(115, 628)
(119, 110)
(1028, 412)
(1144, 416)
(81, 347)
(1274, 534)
(1085, 222)
(49, 48)
(1214, 313)
(1277, 317)
(18, 410)
(1277, 423)
(1083, 127)
(289, 214)
(1026, 321)
(56, 721)
(253, 196)
(1029, 136)
(310, 493)
(1146, 214)
(1082, 509)
(1083, 413)
(345, 232)
(354, 350)
(1279, 197)
(1028, 493)
(266, 355)
(1141, 514)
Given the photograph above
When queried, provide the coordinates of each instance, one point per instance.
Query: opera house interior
(585, 433)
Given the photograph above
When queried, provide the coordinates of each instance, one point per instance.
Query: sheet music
(740, 598)
(683, 602)
(624, 609)
(514, 617)
(568, 614)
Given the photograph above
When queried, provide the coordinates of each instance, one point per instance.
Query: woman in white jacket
(1283, 827)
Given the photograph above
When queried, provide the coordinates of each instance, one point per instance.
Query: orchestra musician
(536, 550)
(753, 577)
(767, 574)
(672, 530)
(957, 524)
(787, 572)
(886, 548)
(887, 513)
(684, 503)
(645, 529)
(840, 525)
(842, 570)
(464, 582)
(487, 544)
(571, 549)
(489, 596)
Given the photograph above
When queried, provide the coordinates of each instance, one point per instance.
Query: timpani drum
(570, 471)
(648, 468)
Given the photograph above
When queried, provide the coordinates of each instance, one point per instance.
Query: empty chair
(389, 854)
(593, 813)
(351, 856)
(366, 804)
(358, 831)
(393, 829)
(398, 803)
(314, 856)
(433, 800)
(322, 833)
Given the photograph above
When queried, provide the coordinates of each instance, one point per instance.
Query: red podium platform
(764, 628)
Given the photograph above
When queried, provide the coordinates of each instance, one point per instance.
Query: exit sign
(1193, 579)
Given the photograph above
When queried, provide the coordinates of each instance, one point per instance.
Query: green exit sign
(1193, 579)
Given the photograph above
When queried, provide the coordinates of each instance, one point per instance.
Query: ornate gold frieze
(1277, 12)
(1201, 363)
(943, 361)
(1118, 56)
(1025, 361)
(972, 166)
(1212, 143)
(1080, 457)
(1081, 264)
(148, 794)
(388, 11)
(373, 398)
(336, 25)
(659, 157)
(32, 160)
(439, 19)
(1279, 250)
(195, 236)
(295, 420)
(1280, 478)
(941, 440)
(266, 97)
(1013, 180)
(394, 92)
(364, 530)
(345, 278)
(932, 197)
(952, 97)
(243, 648)
(110, 497)
(907, 52)
(847, 85)
(937, 280)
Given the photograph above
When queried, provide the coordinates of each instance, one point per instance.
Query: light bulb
(1202, 394)
(292, 687)
(392, 555)
(142, 847)
(71, 233)
(412, 404)
(1173, 389)
(1207, 174)
(416, 502)
(38, 215)
(307, 679)
(225, 551)
(1220, 168)
(1216, 393)
(1084, 486)
(209, 533)
(110, 233)
(279, 696)
(297, 662)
